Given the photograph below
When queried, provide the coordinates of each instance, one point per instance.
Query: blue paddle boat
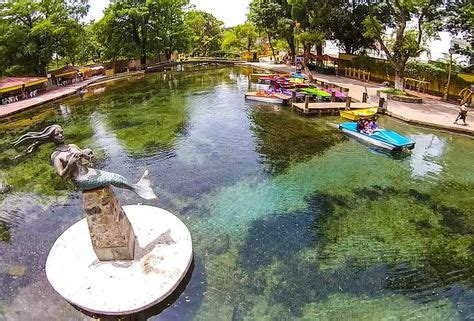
(382, 138)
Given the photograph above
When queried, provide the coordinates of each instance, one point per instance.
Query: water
(290, 219)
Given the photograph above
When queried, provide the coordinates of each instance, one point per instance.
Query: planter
(402, 98)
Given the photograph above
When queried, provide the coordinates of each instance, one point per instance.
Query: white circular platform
(122, 287)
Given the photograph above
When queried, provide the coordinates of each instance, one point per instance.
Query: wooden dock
(328, 108)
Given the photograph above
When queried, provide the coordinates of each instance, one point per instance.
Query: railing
(466, 96)
(357, 73)
(416, 83)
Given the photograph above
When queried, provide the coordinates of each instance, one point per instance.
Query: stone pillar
(111, 233)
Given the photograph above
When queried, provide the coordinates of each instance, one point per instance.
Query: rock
(17, 271)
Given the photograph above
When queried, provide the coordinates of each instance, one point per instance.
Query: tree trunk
(305, 64)
(319, 49)
(271, 46)
(143, 58)
(399, 84)
(291, 44)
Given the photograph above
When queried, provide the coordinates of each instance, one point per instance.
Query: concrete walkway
(432, 113)
(58, 93)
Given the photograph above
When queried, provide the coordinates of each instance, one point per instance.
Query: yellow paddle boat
(356, 114)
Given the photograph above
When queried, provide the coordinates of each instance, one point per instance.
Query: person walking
(462, 114)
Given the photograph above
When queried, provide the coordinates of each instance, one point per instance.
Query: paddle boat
(382, 138)
(339, 95)
(356, 114)
(297, 75)
(255, 77)
(315, 92)
(268, 97)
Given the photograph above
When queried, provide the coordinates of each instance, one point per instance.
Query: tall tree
(405, 41)
(33, 32)
(137, 28)
(263, 14)
(240, 37)
(347, 26)
(460, 22)
(311, 18)
(206, 32)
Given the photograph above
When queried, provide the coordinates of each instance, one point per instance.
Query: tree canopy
(132, 28)
(33, 32)
(406, 41)
(206, 32)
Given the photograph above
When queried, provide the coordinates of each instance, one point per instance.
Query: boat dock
(331, 108)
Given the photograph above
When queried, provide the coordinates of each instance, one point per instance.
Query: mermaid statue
(71, 162)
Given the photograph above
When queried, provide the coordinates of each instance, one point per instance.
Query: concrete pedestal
(163, 254)
(110, 230)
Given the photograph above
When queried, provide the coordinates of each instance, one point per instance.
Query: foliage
(263, 14)
(396, 92)
(460, 19)
(405, 42)
(138, 28)
(207, 32)
(241, 37)
(33, 32)
(347, 27)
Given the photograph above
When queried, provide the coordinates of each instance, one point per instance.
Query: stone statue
(111, 232)
(71, 162)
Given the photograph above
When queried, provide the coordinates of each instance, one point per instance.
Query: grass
(396, 92)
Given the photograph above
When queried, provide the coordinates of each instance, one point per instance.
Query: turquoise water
(290, 219)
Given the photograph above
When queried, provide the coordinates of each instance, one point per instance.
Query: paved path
(19, 106)
(431, 113)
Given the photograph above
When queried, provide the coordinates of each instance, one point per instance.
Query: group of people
(13, 99)
(366, 126)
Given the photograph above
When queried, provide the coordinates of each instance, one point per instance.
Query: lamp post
(448, 84)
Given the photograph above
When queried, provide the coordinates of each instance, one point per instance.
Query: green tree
(405, 41)
(460, 21)
(347, 27)
(263, 14)
(207, 32)
(33, 32)
(138, 28)
(240, 37)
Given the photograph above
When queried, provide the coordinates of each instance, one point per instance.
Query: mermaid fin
(143, 187)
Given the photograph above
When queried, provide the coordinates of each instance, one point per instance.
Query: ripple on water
(290, 219)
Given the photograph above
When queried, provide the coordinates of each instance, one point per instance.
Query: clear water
(290, 219)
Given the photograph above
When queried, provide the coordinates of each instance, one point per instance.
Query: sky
(234, 12)
(231, 12)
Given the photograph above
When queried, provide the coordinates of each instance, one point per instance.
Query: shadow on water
(287, 256)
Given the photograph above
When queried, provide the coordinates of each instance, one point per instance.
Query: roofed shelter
(64, 74)
(10, 86)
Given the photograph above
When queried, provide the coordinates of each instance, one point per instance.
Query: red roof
(14, 82)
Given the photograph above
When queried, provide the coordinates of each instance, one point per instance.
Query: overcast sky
(234, 12)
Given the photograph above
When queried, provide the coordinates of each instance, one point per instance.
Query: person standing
(462, 114)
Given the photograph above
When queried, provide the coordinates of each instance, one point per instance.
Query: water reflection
(425, 159)
(289, 218)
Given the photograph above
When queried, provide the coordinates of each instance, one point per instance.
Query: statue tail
(143, 187)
